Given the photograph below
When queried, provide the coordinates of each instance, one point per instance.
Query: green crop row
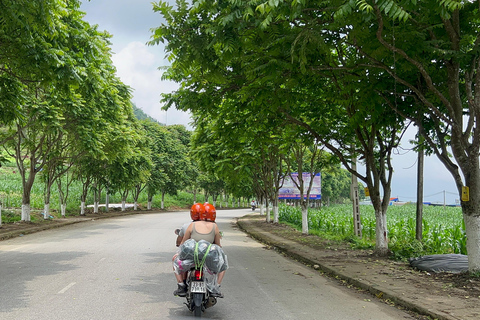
(443, 228)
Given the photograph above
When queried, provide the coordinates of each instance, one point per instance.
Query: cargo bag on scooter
(215, 261)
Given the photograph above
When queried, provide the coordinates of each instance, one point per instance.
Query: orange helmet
(196, 211)
(210, 213)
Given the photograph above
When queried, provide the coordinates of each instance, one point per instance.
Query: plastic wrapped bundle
(216, 260)
(454, 263)
(186, 250)
(202, 248)
(211, 279)
(181, 266)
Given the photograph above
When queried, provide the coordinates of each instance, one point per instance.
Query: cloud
(137, 66)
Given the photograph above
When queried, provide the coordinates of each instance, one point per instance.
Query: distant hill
(143, 116)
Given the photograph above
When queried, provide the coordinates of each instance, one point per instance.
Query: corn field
(443, 228)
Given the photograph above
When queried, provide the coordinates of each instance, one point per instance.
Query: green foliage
(443, 229)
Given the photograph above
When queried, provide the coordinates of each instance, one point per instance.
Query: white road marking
(67, 287)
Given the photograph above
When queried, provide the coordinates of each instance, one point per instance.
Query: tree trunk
(107, 201)
(381, 241)
(149, 202)
(123, 204)
(25, 211)
(472, 228)
(275, 210)
(83, 196)
(163, 201)
(27, 189)
(96, 201)
(46, 207)
(63, 209)
(304, 217)
(267, 213)
(46, 211)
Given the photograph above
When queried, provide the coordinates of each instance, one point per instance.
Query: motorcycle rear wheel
(197, 311)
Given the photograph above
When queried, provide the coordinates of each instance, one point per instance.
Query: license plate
(198, 287)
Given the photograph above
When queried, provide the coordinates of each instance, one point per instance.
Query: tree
(305, 156)
(336, 183)
(68, 87)
(289, 70)
(434, 54)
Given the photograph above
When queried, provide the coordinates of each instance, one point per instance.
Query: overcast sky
(130, 21)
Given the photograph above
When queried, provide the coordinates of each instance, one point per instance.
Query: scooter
(201, 284)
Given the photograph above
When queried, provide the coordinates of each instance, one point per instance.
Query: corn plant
(443, 229)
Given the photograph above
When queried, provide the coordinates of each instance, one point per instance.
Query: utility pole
(419, 215)
(355, 200)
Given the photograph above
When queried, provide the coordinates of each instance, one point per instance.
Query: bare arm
(217, 236)
(188, 233)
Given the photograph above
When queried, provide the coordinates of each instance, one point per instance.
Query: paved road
(120, 268)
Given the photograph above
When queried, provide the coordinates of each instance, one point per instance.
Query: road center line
(67, 287)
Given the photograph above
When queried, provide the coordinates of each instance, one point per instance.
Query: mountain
(143, 116)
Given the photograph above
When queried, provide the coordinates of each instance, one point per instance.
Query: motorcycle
(202, 288)
(199, 298)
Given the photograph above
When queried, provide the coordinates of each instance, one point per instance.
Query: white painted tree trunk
(25, 212)
(135, 206)
(162, 206)
(275, 213)
(46, 211)
(63, 209)
(107, 202)
(123, 205)
(381, 232)
(149, 205)
(262, 208)
(305, 220)
(95, 207)
(0, 214)
(472, 229)
(267, 213)
(82, 208)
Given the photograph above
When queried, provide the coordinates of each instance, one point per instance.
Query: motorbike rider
(195, 211)
(203, 228)
(253, 204)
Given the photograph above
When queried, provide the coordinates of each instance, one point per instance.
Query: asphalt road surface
(120, 268)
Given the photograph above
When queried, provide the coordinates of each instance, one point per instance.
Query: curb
(34, 229)
(47, 226)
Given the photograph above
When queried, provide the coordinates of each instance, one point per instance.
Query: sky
(130, 21)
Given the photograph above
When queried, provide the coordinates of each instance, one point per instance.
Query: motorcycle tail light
(198, 275)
